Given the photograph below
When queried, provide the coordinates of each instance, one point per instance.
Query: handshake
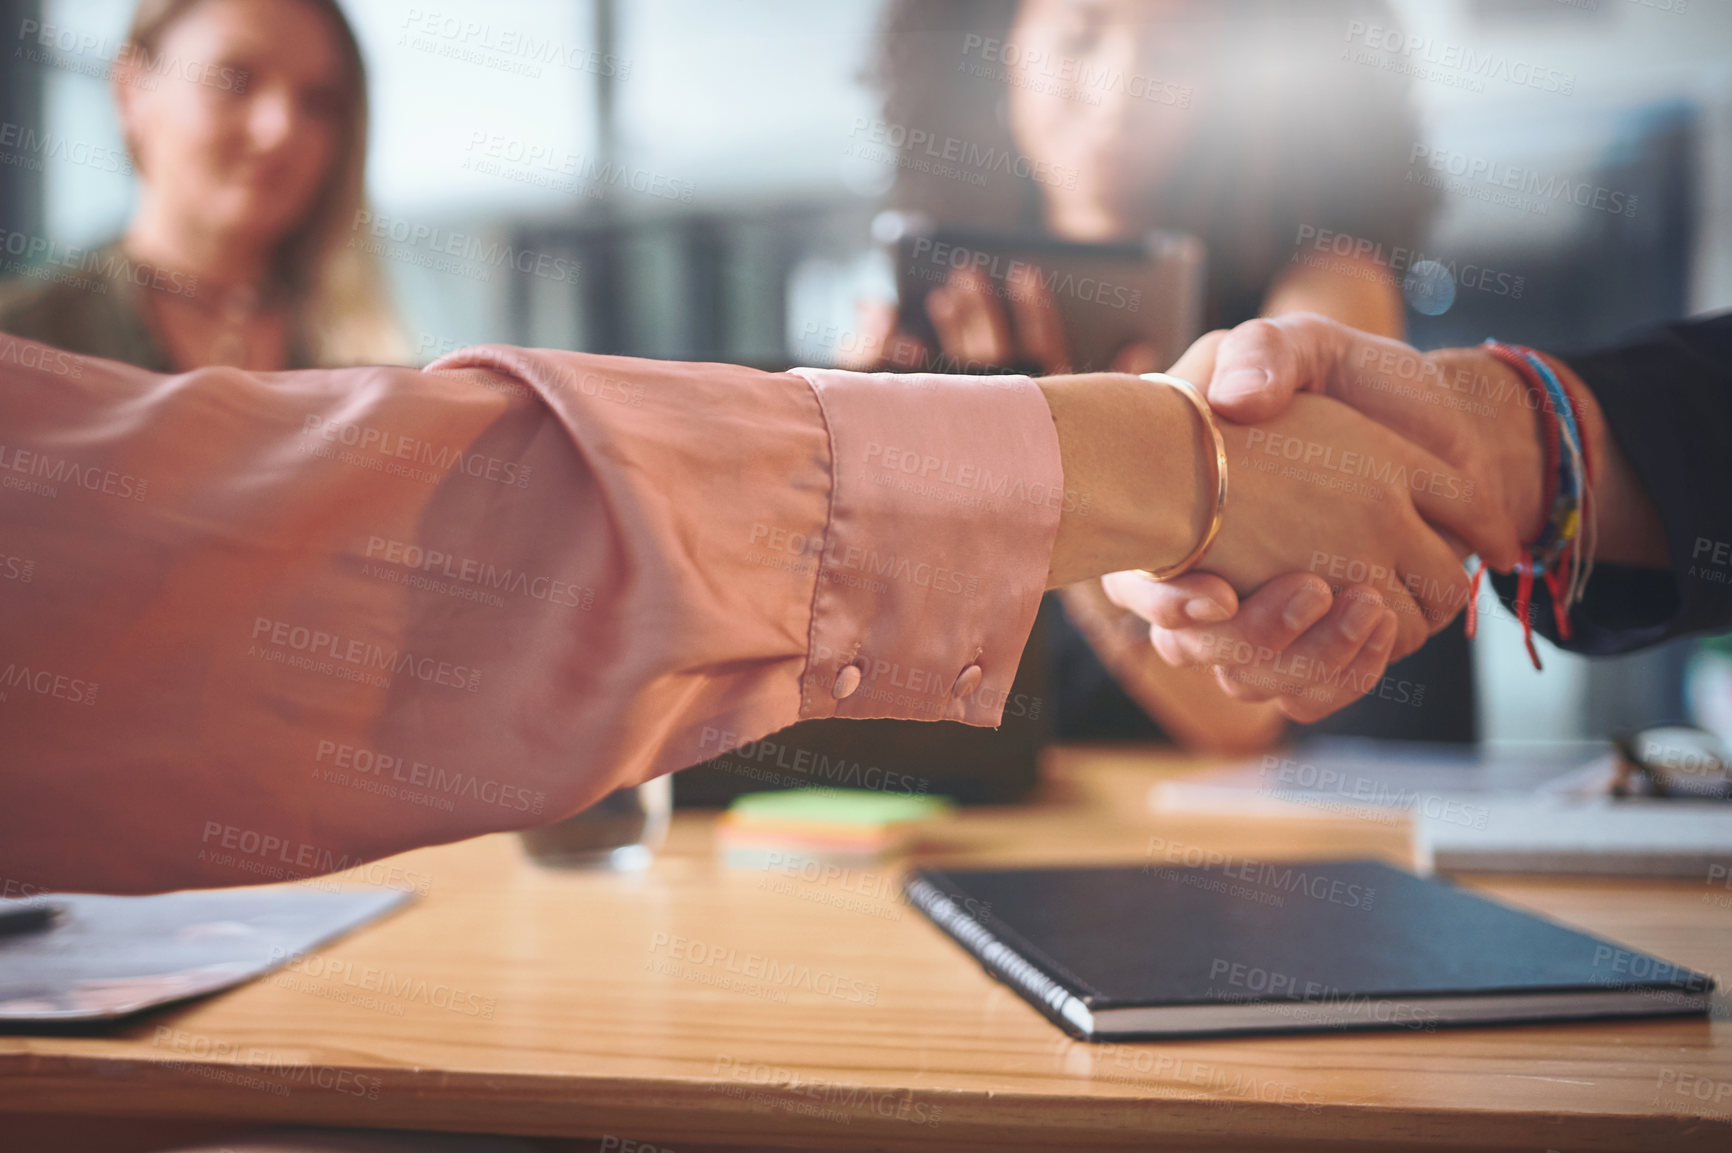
(1362, 475)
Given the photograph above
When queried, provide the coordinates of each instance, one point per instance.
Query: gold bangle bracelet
(1189, 391)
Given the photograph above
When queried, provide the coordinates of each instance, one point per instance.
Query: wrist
(1135, 449)
(1510, 428)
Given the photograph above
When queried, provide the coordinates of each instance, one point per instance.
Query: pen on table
(28, 918)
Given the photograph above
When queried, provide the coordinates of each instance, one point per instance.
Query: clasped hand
(1363, 473)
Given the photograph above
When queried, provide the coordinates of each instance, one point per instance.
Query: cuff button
(967, 681)
(846, 682)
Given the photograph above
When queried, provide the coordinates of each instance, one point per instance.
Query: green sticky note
(840, 807)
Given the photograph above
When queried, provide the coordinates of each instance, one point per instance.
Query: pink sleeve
(258, 626)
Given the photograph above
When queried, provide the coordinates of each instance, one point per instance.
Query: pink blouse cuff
(945, 502)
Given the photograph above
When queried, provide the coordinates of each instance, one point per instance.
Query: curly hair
(1303, 129)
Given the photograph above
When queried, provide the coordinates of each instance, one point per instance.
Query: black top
(1668, 404)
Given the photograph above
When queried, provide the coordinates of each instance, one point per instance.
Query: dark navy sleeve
(1668, 404)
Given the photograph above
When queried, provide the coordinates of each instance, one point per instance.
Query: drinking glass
(621, 831)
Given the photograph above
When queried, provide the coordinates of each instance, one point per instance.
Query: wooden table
(698, 1007)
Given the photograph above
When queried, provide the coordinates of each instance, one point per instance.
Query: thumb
(1258, 368)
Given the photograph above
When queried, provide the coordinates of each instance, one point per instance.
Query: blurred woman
(246, 121)
(1241, 122)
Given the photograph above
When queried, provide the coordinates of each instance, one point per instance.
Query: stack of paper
(1585, 835)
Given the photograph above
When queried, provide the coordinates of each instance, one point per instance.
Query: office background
(711, 168)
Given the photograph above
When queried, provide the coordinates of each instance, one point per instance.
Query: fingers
(1291, 641)
(1039, 331)
(1437, 581)
(1334, 662)
(1193, 599)
(971, 326)
(1364, 673)
(1466, 510)
(1270, 621)
(1459, 547)
(1413, 625)
(1464, 486)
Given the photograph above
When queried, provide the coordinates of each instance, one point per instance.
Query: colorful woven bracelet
(1555, 555)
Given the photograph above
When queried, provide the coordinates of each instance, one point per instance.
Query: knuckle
(1252, 339)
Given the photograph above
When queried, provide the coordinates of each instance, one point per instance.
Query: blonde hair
(336, 290)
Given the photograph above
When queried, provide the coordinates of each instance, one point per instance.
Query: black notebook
(1256, 947)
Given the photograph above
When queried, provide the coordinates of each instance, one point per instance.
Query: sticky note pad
(848, 822)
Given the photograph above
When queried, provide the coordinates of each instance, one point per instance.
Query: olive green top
(94, 305)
